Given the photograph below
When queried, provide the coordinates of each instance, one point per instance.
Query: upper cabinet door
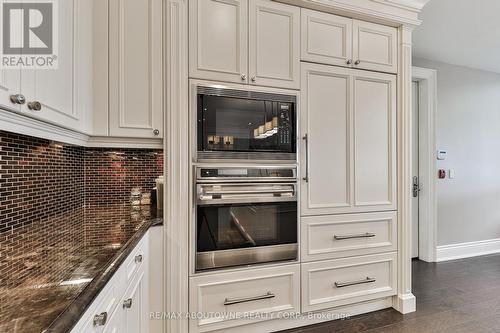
(375, 47)
(326, 154)
(274, 39)
(218, 45)
(135, 68)
(326, 38)
(64, 93)
(374, 114)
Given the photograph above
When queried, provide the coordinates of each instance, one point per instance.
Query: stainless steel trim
(246, 94)
(306, 139)
(229, 193)
(208, 156)
(353, 283)
(100, 319)
(366, 235)
(127, 304)
(268, 295)
(246, 256)
(201, 179)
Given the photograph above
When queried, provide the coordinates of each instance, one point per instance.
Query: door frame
(427, 81)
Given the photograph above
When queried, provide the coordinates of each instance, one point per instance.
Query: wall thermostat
(441, 154)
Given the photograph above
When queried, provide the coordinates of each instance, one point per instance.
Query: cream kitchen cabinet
(135, 68)
(274, 39)
(218, 40)
(348, 122)
(340, 41)
(62, 95)
(245, 41)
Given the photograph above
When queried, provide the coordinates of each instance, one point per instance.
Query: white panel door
(136, 306)
(326, 38)
(326, 158)
(375, 47)
(415, 164)
(55, 89)
(374, 113)
(135, 66)
(218, 40)
(274, 39)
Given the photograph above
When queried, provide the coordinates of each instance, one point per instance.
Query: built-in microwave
(241, 124)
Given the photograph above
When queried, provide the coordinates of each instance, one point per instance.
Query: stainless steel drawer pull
(127, 304)
(228, 301)
(100, 319)
(367, 235)
(306, 140)
(353, 283)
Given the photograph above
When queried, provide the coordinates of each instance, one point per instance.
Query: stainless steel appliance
(249, 125)
(245, 215)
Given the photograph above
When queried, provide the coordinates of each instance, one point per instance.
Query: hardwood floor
(461, 296)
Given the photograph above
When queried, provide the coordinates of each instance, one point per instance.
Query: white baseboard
(467, 250)
(405, 303)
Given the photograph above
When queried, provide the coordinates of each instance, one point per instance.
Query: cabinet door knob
(35, 106)
(357, 62)
(156, 132)
(100, 319)
(243, 77)
(127, 304)
(254, 78)
(349, 61)
(18, 99)
(138, 258)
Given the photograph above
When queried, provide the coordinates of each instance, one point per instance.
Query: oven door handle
(250, 192)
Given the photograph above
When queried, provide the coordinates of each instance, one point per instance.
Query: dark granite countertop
(64, 278)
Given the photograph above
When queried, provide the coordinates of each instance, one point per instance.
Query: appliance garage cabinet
(345, 71)
(108, 87)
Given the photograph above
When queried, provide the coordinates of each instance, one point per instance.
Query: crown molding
(389, 12)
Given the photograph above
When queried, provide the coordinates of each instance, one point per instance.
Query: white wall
(468, 127)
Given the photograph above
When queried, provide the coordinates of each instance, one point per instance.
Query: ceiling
(460, 32)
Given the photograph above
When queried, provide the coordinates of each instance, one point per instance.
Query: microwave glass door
(236, 226)
(245, 125)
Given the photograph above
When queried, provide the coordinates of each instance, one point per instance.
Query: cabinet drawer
(333, 283)
(336, 236)
(262, 291)
(135, 260)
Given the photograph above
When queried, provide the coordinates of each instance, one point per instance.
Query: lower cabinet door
(328, 284)
(231, 299)
(135, 306)
(115, 322)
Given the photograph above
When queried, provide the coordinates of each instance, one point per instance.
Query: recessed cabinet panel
(218, 33)
(346, 235)
(374, 140)
(135, 68)
(328, 284)
(326, 121)
(274, 44)
(326, 38)
(261, 290)
(375, 47)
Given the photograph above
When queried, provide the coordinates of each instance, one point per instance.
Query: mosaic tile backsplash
(50, 195)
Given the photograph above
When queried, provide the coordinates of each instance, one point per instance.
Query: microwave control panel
(285, 124)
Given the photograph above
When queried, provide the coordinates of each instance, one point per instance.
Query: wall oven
(245, 215)
(240, 124)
